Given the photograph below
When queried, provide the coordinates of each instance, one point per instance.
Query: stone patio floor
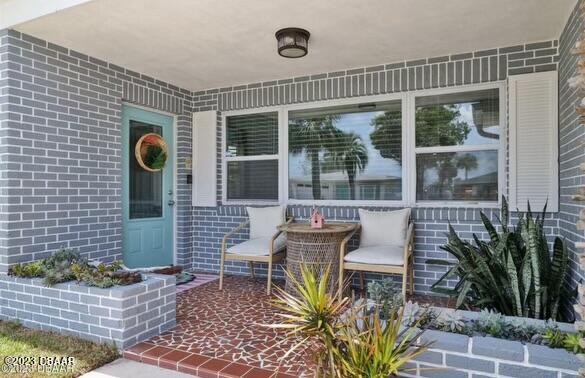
(222, 334)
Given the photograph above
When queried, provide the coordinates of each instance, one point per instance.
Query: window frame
(499, 147)
(225, 159)
(409, 150)
(349, 101)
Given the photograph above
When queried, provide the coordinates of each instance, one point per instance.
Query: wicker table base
(316, 249)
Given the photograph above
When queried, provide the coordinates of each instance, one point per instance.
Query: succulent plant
(491, 322)
(30, 270)
(412, 313)
(386, 294)
(451, 320)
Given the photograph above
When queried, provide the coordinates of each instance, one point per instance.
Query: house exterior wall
(60, 146)
(60, 143)
(431, 224)
(571, 137)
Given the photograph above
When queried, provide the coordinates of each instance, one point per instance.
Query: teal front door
(147, 194)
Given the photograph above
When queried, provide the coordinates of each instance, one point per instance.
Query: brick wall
(60, 145)
(460, 356)
(210, 224)
(60, 164)
(571, 137)
(124, 315)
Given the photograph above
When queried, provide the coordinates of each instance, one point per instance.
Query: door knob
(171, 202)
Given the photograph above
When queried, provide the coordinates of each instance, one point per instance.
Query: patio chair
(386, 246)
(265, 245)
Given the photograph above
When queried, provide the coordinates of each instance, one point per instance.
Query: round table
(316, 248)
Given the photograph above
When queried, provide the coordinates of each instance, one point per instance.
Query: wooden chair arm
(343, 247)
(227, 236)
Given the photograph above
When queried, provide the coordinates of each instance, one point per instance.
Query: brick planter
(123, 315)
(454, 356)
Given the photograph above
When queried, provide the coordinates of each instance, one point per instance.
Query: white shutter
(534, 141)
(204, 158)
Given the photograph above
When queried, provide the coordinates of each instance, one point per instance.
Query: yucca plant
(513, 273)
(346, 342)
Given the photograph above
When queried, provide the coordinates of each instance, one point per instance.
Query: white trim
(409, 150)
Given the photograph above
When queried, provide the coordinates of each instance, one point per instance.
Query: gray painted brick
(469, 363)
(519, 371)
(503, 349)
(556, 358)
(446, 341)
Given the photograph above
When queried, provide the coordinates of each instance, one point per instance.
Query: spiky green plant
(346, 342)
(513, 273)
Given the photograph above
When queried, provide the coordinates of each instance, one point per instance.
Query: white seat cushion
(383, 227)
(258, 246)
(264, 220)
(377, 255)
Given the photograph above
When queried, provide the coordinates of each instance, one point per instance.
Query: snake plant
(513, 273)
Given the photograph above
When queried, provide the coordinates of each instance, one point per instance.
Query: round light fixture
(293, 42)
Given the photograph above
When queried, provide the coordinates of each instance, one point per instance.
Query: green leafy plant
(30, 270)
(491, 322)
(553, 337)
(572, 342)
(386, 294)
(451, 320)
(103, 275)
(57, 267)
(512, 273)
(345, 342)
(155, 157)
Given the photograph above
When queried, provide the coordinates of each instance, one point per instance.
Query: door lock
(171, 202)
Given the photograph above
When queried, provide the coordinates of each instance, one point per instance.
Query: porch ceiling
(209, 43)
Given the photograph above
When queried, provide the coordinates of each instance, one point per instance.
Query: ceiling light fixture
(293, 42)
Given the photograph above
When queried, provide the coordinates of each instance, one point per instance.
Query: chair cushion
(264, 220)
(258, 246)
(377, 255)
(383, 227)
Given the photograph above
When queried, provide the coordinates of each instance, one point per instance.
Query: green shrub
(513, 273)
(386, 294)
(58, 267)
(30, 270)
(103, 275)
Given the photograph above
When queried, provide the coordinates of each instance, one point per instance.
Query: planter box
(459, 356)
(123, 315)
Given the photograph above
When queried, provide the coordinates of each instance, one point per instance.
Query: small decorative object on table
(317, 220)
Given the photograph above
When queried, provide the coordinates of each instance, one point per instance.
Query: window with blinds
(251, 154)
(346, 153)
(457, 139)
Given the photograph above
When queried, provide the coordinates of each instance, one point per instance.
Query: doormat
(200, 279)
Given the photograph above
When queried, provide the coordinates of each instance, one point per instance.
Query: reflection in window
(459, 176)
(457, 141)
(466, 118)
(346, 153)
